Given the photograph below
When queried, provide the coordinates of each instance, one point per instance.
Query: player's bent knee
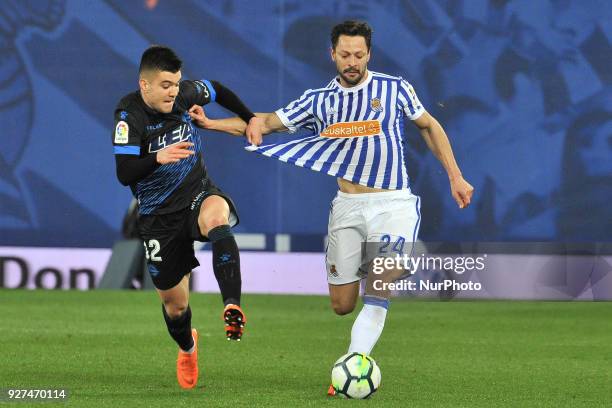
(175, 310)
(215, 222)
(343, 308)
(344, 297)
(208, 223)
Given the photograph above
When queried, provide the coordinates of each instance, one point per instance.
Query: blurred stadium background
(523, 88)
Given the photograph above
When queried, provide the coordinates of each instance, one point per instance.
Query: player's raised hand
(462, 191)
(199, 117)
(253, 130)
(174, 153)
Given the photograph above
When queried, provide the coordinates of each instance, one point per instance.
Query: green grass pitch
(111, 349)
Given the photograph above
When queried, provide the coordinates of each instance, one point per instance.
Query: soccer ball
(355, 375)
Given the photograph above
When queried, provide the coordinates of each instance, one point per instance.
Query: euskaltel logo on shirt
(353, 129)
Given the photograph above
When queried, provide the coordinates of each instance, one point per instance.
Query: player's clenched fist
(199, 117)
(462, 192)
(174, 153)
(253, 131)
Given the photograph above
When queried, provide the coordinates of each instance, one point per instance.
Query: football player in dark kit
(158, 154)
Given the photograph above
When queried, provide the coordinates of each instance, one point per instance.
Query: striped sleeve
(299, 113)
(408, 101)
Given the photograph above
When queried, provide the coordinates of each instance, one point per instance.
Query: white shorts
(389, 218)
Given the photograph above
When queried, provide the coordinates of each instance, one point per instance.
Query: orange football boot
(187, 365)
(234, 319)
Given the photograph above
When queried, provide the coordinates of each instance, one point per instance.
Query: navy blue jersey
(141, 131)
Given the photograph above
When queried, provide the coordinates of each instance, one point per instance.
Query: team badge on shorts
(376, 105)
(333, 272)
(122, 131)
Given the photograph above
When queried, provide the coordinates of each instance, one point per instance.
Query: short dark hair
(352, 28)
(160, 58)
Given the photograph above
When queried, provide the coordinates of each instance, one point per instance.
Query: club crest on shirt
(376, 105)
(122, 131)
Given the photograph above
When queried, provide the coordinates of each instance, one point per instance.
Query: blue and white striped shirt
(357, 132)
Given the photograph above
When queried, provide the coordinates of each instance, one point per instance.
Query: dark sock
(226, 263)
(180, 328)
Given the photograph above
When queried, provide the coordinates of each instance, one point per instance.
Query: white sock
(369, 324)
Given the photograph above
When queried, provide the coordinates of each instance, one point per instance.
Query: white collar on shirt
(356, 87)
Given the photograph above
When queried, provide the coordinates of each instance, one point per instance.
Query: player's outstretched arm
(233, 126)
(267, 123)
(229, 100)
(271, 123)
(438, 143)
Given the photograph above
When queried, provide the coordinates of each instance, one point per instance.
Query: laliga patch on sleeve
(122, 130)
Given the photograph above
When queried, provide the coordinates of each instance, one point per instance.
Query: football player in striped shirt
(356, 134)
